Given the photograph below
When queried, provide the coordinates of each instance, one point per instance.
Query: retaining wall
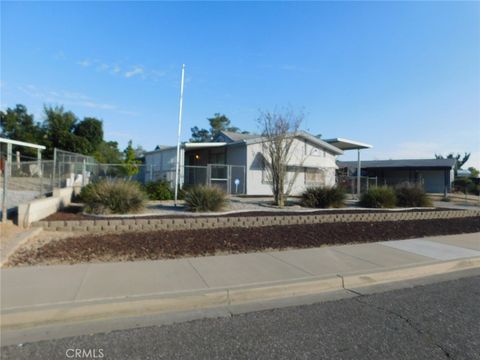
(41, 208)
(121, 225)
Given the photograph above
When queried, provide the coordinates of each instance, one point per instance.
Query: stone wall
(132, 224)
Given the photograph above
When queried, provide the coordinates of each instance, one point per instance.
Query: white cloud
(84, 63)
(125, 70)
(64, 97)
(137, 70)
(71, 98)
(116, 69)
(103, 67)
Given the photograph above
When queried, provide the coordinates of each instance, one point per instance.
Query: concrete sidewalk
(43, 288)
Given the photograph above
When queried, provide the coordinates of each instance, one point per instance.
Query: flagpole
(177, 167)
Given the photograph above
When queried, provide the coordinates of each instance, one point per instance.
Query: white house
(235, 162)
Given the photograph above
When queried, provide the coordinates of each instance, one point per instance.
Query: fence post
(17, 158)
(229, 179)
(41, 178)
(9, 158)
(84, 172)
(4, 192)
(54, 167)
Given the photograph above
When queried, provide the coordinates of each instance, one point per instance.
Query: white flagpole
(177, 167)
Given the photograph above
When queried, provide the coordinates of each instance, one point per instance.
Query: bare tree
(279, 131)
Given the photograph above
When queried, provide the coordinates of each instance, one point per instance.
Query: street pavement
(435, 321)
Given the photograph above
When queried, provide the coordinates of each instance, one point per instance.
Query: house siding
(323, 159)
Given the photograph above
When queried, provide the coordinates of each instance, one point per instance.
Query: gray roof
(238, 136)
(404, 163)
(304, 135)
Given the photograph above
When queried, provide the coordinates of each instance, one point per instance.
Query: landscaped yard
(154, 245)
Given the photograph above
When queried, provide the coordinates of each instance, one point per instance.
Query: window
(314, 177)
(266, 177)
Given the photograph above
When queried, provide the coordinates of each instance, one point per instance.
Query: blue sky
(404, 77)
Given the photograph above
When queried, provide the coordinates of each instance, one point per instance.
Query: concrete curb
(15, 319)
(20, 239)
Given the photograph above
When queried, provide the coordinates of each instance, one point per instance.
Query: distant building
(435, 175)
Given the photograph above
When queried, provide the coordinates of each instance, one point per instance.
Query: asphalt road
(437, 321)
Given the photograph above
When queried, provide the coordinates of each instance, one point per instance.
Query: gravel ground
(155, 245)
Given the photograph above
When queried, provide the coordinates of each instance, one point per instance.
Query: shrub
(462, 184)
(409, 195)
(159, 190)
(204, 198)
(323, 197)
(378, 197)
(113, 197)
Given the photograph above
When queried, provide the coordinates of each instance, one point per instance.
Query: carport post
(9, 157)
(359, 167)
(39, 162)
(4, 192)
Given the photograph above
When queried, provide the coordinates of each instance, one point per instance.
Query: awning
(345, 144)
(201, 145)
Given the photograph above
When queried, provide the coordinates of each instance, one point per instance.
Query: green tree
(474, 172)
(108, 153)
(58, 127)
(200, 135)
(18, 124)
(461, 160)
(131, 164)
(90, 129)
(219, 122)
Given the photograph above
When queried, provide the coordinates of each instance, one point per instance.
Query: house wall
(302, 152)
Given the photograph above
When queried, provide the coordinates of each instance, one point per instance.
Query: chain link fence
(25, 178)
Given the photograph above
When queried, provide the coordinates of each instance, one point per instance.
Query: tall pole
(177, 167)
(359, 173)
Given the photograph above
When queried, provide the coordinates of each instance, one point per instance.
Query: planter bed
(184, 243)
(75, 213)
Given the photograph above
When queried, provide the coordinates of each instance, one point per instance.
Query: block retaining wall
(121, 225)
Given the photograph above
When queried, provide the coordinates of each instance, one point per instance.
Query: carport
(435, 175)
(345, 145)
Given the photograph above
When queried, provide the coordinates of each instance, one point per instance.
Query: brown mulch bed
(75, 213)
(183, 243)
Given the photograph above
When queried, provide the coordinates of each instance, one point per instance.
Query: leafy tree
(61, 129)
(108, 153)
(219, 122)
(58, 127)
(90, 129)
(18, 124)
(200, 135)
(130, 160)
(461, 160)
(474, 172)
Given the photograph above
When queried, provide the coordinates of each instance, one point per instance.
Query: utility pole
(177, 167)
